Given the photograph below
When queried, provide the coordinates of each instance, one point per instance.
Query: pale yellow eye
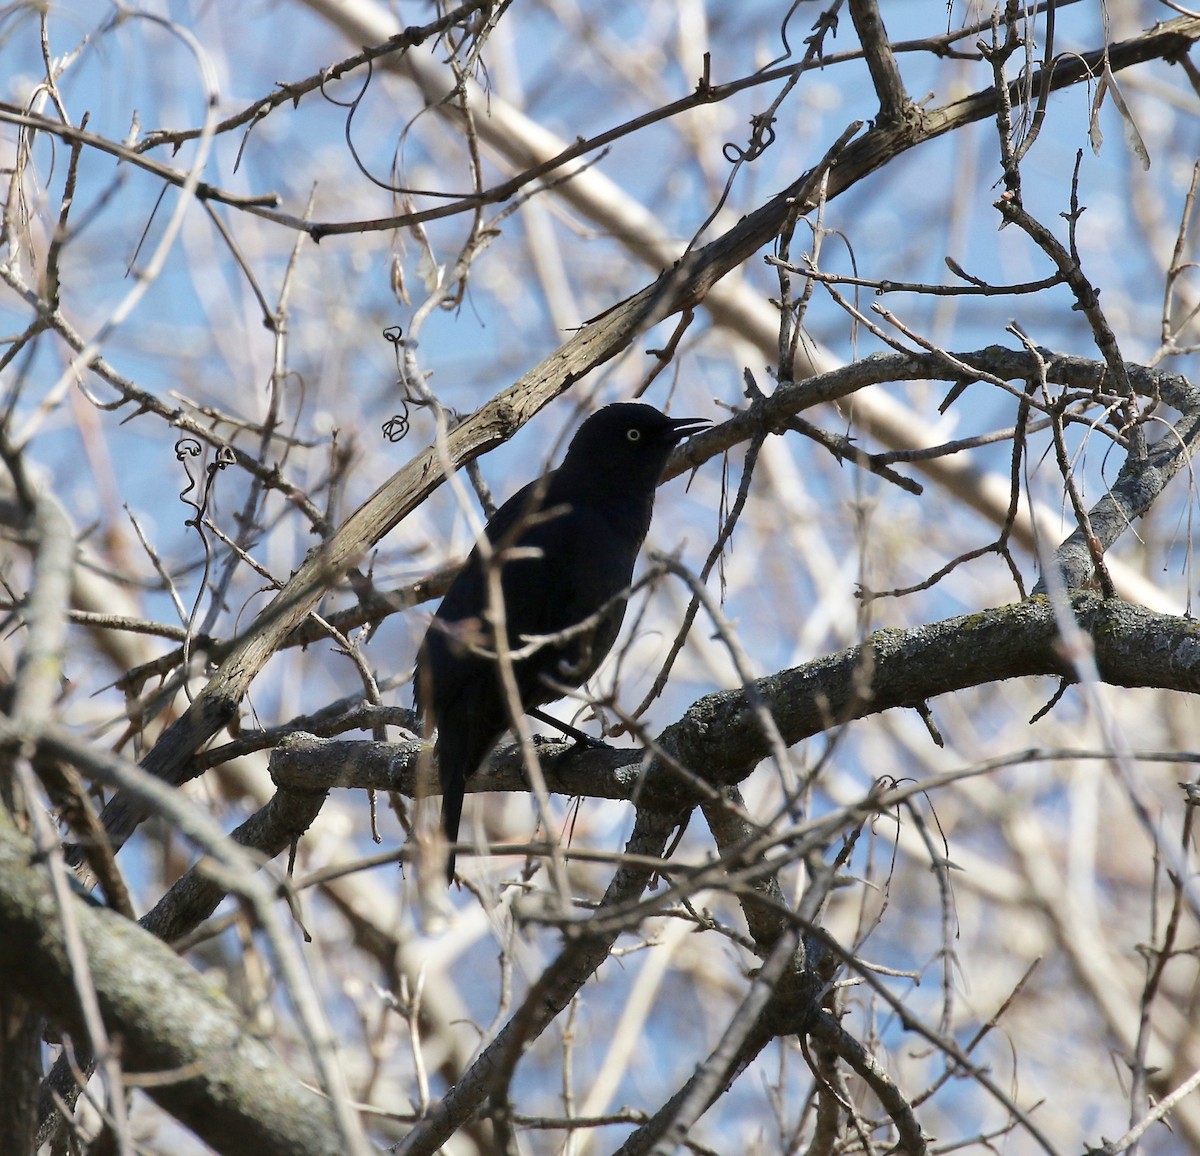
(633, 435)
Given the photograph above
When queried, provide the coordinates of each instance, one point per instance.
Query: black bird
(566, 545)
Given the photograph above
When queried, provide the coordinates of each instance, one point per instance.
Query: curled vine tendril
(186, 448)
(762, 137)
(396, 427)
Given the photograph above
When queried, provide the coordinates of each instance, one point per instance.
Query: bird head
(626, 445)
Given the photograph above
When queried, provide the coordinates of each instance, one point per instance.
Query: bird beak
(682, 427)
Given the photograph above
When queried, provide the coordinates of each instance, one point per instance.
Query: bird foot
(581, 738)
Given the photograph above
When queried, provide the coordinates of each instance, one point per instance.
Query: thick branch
(230, 1088)
(1135, 489)
(895, 107)
(720, 736)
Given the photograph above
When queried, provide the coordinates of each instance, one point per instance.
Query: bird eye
(633, 434)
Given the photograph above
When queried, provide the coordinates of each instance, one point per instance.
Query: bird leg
(567, 729)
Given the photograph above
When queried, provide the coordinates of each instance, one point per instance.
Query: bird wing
(583, 565)
(445, 669)
(584, 558)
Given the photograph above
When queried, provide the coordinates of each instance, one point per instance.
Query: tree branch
(895, 105)
(231, 1089)
(720, 737)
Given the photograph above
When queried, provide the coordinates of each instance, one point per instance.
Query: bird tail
(454, 787)
(460, 750)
